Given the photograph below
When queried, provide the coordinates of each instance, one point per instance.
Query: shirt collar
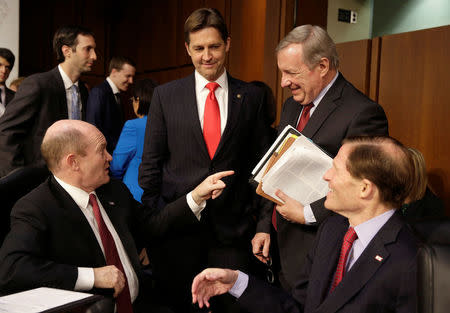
(113, 86)
(367, 230)
(67, 81)
(78, 195)
(200, 81)
(324, 91)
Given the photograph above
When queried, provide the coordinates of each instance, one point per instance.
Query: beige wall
(343, 32)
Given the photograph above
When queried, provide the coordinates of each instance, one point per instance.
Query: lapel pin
(239, 96)
(378, 258)
(111, 203)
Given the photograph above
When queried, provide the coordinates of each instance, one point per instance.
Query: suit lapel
(115, 212)
(328, 259)
(365, 267)
(326, 106)
(112, 99)
(295, 109)
(235, 99)
(74, 213)
(60, 91)
(9, 95)
(189, 97)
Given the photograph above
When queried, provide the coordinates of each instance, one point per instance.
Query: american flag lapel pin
(378, 258)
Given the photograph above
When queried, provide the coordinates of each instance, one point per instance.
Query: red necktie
(211, 120)
(112, 257)
(347, 244)
(305, 116)
(274, 218)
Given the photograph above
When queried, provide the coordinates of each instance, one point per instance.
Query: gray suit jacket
(40, 101)
(9, 95)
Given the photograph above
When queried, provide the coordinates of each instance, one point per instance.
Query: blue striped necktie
(74, 108)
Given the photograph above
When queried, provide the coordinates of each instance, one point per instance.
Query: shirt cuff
(309, 215)
(85, 280)
(196, 208)
(240, 285)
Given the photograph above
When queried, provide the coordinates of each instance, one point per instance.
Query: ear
(228, 44)
(71, 162)
(187, 48)
(324, 66)
(67, 51)
(367, 189)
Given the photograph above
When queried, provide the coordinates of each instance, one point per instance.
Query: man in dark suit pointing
(198, 125)
(78, 230)
(363, 259)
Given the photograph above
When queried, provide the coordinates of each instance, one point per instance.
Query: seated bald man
(76, 230)
(363, 260)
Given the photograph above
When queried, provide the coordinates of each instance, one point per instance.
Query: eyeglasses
(270, 277)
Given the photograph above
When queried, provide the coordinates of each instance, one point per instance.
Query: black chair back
(13, 187)
(433, 266)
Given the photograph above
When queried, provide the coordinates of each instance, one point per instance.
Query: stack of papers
(39, 300)
(294, 165)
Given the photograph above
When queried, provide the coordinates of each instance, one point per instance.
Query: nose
(108, 157)
(207, 56)
(326, 176)
(130, 80)
(93, 55)
(285, 82)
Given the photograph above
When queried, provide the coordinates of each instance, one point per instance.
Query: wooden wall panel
(247, 39)
(414, 91)
(312, 12)
(354, 59)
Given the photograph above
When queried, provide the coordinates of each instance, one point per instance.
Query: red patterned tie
(305, 116)
(112, 257)
(347, 244)
(211, 120)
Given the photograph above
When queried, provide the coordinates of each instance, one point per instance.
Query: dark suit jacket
(175, 160)
(105, 113)
(369, 286)
(40, 101)
(50, 236)
(343, 112)
(9, 95)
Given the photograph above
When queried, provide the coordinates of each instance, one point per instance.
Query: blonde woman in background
(422, 202)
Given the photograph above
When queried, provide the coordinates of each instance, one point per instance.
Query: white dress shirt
(67, 86)
(113, 86)
(201, 93)
(85, 280)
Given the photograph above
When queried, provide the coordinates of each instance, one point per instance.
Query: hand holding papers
(296, 167)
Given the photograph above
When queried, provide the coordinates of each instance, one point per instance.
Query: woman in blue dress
(127, 155)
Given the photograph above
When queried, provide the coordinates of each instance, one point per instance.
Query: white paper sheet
(38, 300)
(299, 173)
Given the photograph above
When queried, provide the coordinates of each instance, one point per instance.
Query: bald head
(75, 152)
(65, 137)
